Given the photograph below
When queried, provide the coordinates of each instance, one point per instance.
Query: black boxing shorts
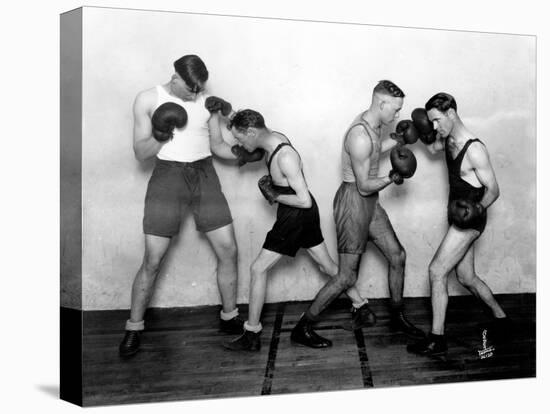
(176, 186)
(294, 228)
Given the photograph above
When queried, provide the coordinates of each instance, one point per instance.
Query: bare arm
(218, 146)
(360, 148)
(145, 146)
(388, 144)
(290, 165)
(479, 159)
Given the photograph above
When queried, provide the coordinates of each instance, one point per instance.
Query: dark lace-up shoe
(233, 326)
(248, 341)
(130, 344)
(304, 334)
(433, 345)
(362, 317)
(400, 323)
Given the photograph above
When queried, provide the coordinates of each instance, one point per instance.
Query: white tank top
(192, 142)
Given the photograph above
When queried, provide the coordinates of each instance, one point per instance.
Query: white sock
(230, 315)
(253, 328)
(135, 326)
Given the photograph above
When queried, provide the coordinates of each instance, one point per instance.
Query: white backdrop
(309, 79)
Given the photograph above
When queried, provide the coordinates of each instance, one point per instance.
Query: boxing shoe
(399, 322)
(362, 317)
(304, 334)
(232, 326)
(130, 344)
(432, 345)
(500, 330)
(248, 341)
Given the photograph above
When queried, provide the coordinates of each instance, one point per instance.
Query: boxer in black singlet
(297, 225)
(472, 181)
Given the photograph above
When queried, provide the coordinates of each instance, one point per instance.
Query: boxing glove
(214, 104)
(244, 156)
(266, 187)
(166, 117)
(403, 164)
(423, 125)
(405, 132)
(464, 213)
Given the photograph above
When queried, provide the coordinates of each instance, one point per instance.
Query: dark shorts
(176, 186)
(359, 219)
(294, 228)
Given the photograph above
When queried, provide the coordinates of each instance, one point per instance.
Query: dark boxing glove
(405, 132)
(464, 213)
(423, 125)
(403, 164)
(244, 156)
(266, 187)
(166, 117)
(214, 104)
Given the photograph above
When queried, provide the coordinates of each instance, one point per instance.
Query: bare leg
(452, 249)
(142, 288)
(258, 282)
(224, 245)
(345, 279)
(466, 275)
(321, 256)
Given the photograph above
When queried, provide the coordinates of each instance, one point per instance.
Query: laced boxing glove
(166, 117)
(214, 104)
(423, 125)
(464, 213)
(403, 164)
(266, 187)
(244, 156)
(405, 132)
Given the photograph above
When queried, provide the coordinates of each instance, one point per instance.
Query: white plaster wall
(309, 80)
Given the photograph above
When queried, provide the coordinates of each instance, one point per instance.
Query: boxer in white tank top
(184, 177)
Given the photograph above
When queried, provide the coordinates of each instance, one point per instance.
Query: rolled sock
(230, 315)
(135, 326)
(252, 328)
(357, 305)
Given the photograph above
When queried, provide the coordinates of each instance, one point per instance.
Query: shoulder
(358, 142)
(146, 98)
(288, 157)
(477, 153)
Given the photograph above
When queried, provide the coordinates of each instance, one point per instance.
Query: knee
(398, 258)
(227, 251)
(151, 263)
(331, 270)
(346, 280)
(464, 279)
(256, 270)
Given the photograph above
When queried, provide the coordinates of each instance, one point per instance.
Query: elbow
(306, 202)
(365, 192)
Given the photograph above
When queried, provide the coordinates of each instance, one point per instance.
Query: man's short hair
(247, 118)
(192, 70)
(441, 101)
(386, 87)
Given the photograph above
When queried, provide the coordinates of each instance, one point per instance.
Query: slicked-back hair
(192, 70)
(387, 87)
(441, 101)
(247, 118)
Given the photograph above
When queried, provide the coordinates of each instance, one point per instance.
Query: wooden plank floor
(181, 357)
